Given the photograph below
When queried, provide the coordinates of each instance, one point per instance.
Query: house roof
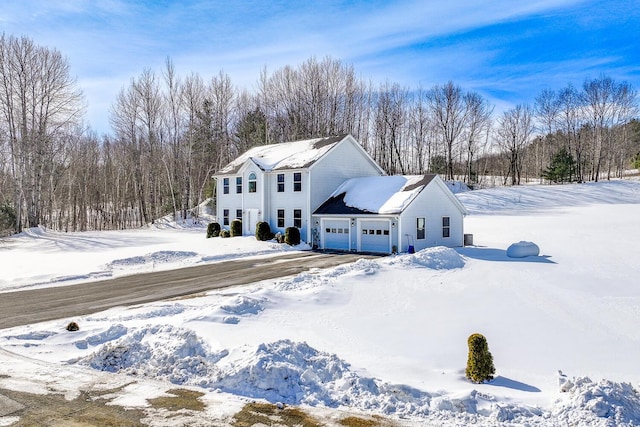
(283, 156)
(385, 195)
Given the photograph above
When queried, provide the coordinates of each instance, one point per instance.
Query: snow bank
(437, 258)
(296, 373)
(155, 258)
(232, 312)
(164, 351)
(603, 403)
(309, 280)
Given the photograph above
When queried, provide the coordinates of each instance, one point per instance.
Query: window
(280, 183)
(280, 218)
(297, 218)
(225, 217)
(252, 183)
(364, 231)
(297, 181)
(420, 228)
(239, 214)
(238, 184)
(225, 185)
(446, 226)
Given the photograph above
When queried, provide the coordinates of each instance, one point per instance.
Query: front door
(251, 221)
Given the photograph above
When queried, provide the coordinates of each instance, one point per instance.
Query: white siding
(231, 201)
(346, 160)
(241, 201)
(288, 200)
(432, 204)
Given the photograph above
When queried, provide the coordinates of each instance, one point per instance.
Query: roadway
(38, 305)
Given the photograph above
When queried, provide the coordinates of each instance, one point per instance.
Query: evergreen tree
(480, 361)
(7, 219)
(292, 236)
(236, 228)
(562, 167)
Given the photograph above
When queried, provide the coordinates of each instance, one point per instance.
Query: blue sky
(507, 50)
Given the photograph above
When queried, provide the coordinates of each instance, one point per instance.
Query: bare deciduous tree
(449, 114)
(39, 103)
(513, 133)
(476, 129)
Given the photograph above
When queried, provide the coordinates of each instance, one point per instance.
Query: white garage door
(335, 234)
(375, 236)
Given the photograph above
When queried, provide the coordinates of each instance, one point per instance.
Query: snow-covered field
(385, 336)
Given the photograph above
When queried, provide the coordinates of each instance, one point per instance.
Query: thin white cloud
(411, 42)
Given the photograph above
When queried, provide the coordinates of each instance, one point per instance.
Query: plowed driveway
(38, 305)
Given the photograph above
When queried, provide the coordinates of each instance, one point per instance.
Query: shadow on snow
(492, 254)
(501, 381)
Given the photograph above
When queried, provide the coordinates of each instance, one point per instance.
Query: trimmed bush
(72, 327)
(279, 237)
(225, 233)
(213, 230)
(292, 236)
(263, 231)
(236, 228)
(480, 361)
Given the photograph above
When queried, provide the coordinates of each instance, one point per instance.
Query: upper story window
(252, 183)
(280, 183)
(238, 184)
(297, 181)
(225, 185)
(446, 226)
(420, 228)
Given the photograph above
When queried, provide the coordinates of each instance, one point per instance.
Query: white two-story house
(338, 197)
(283, 184)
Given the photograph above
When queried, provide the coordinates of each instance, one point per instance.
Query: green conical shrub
(292, 236)
(236, 228)
(480, 361)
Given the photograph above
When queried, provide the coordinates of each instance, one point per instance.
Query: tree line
(170, 133)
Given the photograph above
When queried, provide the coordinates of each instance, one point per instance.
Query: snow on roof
(375, 194)
(286, 155)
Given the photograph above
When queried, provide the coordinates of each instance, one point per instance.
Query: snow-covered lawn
(383, 336)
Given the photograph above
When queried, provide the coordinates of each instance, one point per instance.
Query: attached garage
(390, 214)
(375, 236)
(335, 234)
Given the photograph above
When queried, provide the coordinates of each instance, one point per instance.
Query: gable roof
(386, 195)
(285, 155)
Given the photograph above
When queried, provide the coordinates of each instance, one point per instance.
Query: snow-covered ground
(385, 336)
